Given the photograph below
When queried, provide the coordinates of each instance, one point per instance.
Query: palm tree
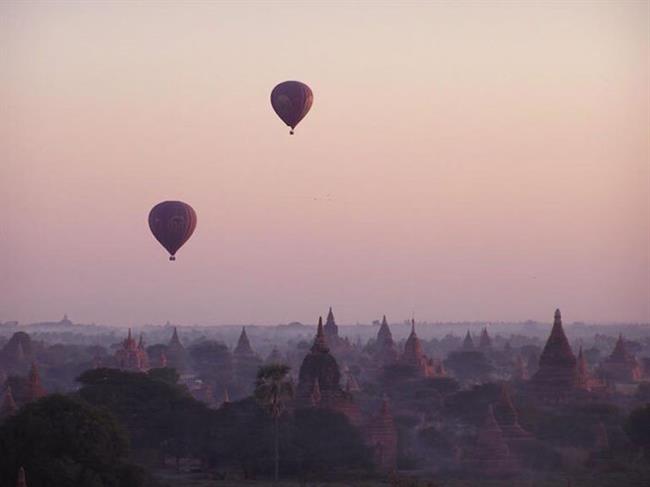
(272, 390)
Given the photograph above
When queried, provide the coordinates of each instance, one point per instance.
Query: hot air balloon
(172, 223)
(291, 100)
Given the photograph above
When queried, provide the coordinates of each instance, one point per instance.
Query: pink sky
(467, 162)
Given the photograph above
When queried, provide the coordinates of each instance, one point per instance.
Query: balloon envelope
(291, 100)
(172, 223)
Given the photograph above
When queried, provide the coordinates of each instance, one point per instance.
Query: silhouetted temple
(508, 419)
(621, 366)
(557, 376)
(245, 362)
(331, 330)
(381, 436)
(485, 342)
(413, 356)
(386, 351)
(176, 354)
(319, 381)
(132, 356)
(468, 343)
(490, 455)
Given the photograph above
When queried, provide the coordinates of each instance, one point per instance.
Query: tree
(64, 441)
(272, 389)
(637, 427)
(159, 414)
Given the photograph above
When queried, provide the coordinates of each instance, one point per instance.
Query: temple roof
(557, 351)
(485, 340)
(320, 344)
(384, 334)
(243, 345)
(175, 342)
(331, 329)
(620, 353)
(412, 347)
(468, 343)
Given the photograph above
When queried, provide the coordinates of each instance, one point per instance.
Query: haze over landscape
(460, 162)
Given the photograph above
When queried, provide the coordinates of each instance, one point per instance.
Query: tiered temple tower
(468, 343)
(621, 366)
(331, 330)
(485, 342)
(386, 353)
(319, 381)
(413, 355)
(491, 455)
(132, 356)
(508, 419)
(381, 436)
(557, 376)
(245, 362)
(176, 355)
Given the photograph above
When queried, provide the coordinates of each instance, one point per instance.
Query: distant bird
(291, 100)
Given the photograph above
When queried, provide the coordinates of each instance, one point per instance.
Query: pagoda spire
(320, 344)
(557, 349)
(8, 406)
(331, 329)
(485, 341)
(243, 345)
(141, 342)
(468, 343)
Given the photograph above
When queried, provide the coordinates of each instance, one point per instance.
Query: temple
(245, 362)
(485, 342)
(331, 331)
(490, 455)
(414, 357)
(319, 381)
(468, 343)
(175, 355)
(381, 437)
(132, 355)
(621, 366)
(386, 351)
(557, 376)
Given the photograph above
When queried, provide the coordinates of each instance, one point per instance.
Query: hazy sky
(463, 161)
